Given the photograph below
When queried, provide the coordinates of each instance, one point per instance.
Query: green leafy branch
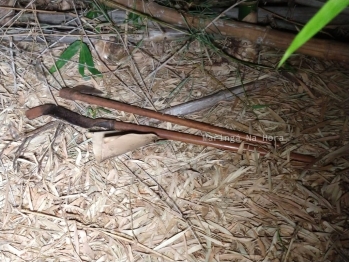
(85, 58)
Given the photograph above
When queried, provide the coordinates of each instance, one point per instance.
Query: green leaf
(259, 106)
(104, 110)
(67, 54)
(134, 18)
(329, 10)
(89, 60)
(94, 71)
(93, 14)
(82, 63)
(86, 59)
(91, 112)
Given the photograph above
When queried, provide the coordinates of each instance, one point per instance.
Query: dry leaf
(251, 18)
(110, 51)
(110, 143)
(66, 5)
(343, 151)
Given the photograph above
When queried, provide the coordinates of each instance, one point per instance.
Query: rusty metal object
(82, 121)
(85, 122)
(79, 93)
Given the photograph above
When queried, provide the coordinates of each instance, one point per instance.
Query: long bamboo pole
(321, 48)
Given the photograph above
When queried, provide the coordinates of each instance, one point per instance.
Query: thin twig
(58, 130)
(220, 15)
(11, 21)
(28, 137)
(47, 46)
(168, 59)
(13, 67)
(45, 81)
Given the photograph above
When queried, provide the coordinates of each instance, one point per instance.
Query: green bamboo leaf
(86, 59)
(259, 106)
(93, 14)
(82, 63)
(67, 54)
(94, 71)
(328, 11)
(89, 60)
(104, 110)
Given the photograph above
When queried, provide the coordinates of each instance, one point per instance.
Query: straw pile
(171, 201)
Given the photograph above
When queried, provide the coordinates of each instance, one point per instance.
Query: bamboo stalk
(324, 49)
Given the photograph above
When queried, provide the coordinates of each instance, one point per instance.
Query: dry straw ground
(171, 201)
